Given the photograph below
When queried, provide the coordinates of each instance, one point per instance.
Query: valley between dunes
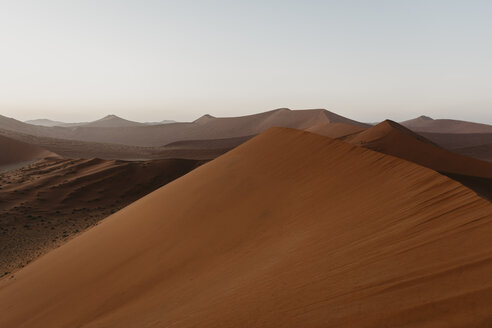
(290, 229)
(49, 201)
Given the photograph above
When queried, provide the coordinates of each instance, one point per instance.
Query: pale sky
(149, 60)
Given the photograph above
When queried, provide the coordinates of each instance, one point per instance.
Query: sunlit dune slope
(290, 229)
(391, 138)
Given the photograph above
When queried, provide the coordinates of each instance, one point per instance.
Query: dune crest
(335, 130)
(394, 139)
(290, 229)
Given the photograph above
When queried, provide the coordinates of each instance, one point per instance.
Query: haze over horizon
(157, 60)
(105, 116)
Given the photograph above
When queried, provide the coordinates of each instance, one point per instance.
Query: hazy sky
(152, 60)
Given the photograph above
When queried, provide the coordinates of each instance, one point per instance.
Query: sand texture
(44, 204)
(290, 229)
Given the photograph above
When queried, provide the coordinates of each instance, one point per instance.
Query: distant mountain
(15, 125)
(428, 124)
(112, 121)
(107, 121)
(206, 127)
(204, 119)
(161, 122)
(47, 122)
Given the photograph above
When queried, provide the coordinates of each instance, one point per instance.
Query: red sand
(393, 139)
(290, 229)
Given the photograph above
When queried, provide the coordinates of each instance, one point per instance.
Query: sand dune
(207, 143)
(109, 121)
(335, 130)
(112, 121)
(427, 124)
(123, 122)
(206, 127)
(478, 145)
(394, 139)
(46, 122)
(81, 149)
(290, 229)
(459, 140)
(195, 149)
(14, 151)
(46, 203)
(483, 152)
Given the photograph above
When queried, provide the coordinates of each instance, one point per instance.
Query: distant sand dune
(335, 130)
(14, 151)
(108, 129)
(427, 124)
(393, 139)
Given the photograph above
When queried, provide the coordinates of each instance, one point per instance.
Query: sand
(290, 229)
(394, 139)
(14, 151)
(477, 145)
(206, 127)
(336, 130)
(195, 149)
(427, 124)
(112, 121)
(483, 152)
(48, 202)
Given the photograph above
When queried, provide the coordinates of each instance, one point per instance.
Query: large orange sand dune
(290, 229)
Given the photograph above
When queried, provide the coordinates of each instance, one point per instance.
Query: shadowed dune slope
(483, 152)
(290, 229)
(391, 138)
(462, 141)
(14, 151)
(47, 202)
